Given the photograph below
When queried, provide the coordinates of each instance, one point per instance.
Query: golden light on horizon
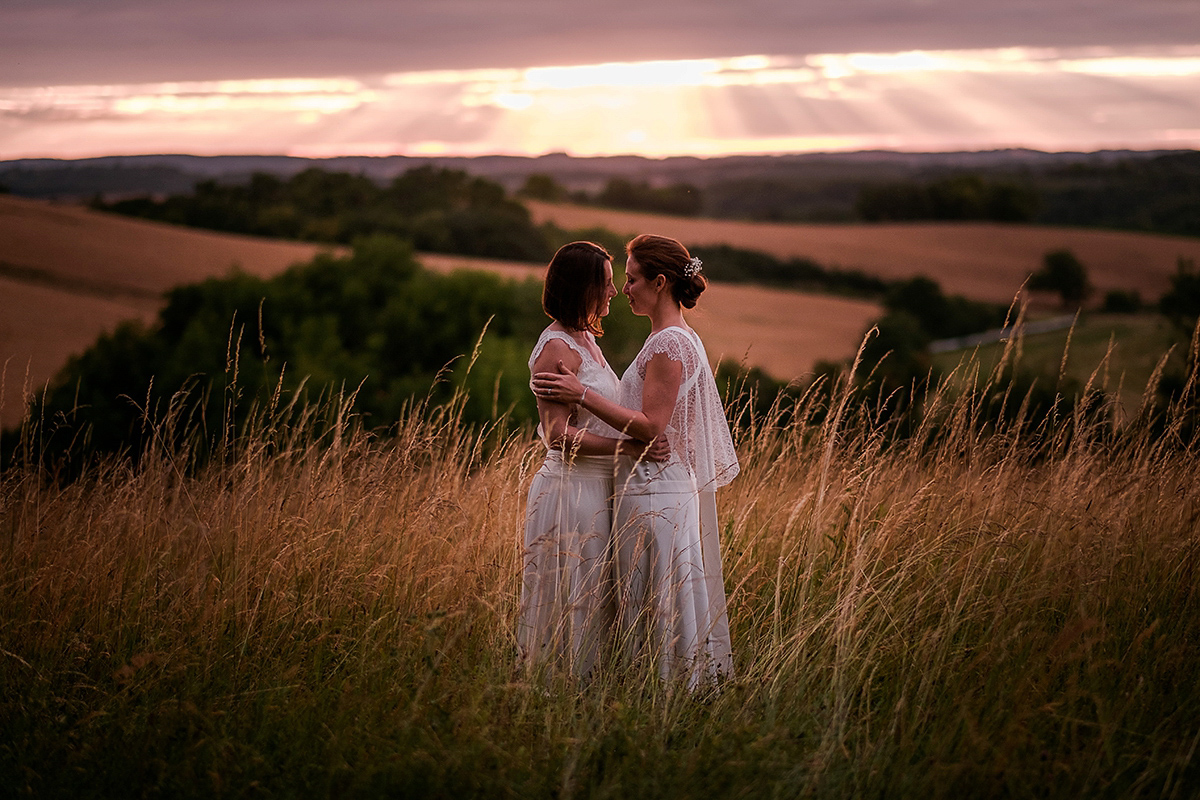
(954, 99)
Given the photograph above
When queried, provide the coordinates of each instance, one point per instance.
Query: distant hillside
(1156, 191)
(68, 274)
(984, 261)
(48, 177)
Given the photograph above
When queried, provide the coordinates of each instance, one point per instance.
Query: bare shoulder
(554, 351)
(663, 370)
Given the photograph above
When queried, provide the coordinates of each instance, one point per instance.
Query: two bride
(621, 545)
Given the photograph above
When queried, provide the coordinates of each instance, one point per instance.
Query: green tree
(373, 319)
(1181, 303)
(1065, 274)
(540, 186)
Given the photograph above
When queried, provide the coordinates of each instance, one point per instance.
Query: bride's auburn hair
(662, 255)
(576, 285)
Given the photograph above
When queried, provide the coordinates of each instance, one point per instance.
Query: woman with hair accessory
(670, 587)
(567, 604)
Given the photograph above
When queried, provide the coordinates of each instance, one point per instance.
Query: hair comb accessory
(692, 267)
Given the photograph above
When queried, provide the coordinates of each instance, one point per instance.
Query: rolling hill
(984, 261)
(68, 274)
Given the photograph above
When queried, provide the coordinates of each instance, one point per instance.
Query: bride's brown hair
(662, 255)
(576, 285)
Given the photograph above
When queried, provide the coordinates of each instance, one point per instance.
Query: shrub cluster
(373, 323)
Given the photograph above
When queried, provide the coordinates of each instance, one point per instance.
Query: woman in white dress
(670, 587)
(567, 603)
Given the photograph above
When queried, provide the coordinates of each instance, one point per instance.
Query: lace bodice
(698, 432)
(597, 376)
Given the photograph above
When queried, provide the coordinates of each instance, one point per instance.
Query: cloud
(76, 41)
(1049, 98)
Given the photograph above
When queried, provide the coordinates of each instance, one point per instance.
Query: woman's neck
(667, 315)
(574, 333)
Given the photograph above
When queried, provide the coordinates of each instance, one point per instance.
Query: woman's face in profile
(637, 289)
(610, 290)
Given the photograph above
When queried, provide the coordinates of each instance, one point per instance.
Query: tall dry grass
(320, 611)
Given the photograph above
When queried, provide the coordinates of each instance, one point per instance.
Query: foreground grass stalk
(321, 611)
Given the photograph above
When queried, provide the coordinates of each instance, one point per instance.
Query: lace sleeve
(676, 345)
(698, 431)
(543, 340)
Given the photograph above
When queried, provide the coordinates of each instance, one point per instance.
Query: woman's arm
(659, 390)
(554, 414)
(581, 442)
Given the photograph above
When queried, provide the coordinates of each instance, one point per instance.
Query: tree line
(439, 210)
(1153, 194)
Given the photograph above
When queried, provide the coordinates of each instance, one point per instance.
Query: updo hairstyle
(576, 285)
(662, 255)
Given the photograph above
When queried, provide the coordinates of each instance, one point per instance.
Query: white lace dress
(567, 604)
(670, 586)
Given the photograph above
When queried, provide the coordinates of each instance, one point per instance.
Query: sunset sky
(706, 77)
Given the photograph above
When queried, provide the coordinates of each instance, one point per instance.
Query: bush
(374, 323)
(1181, 303)
(1064, 274)
(941, 316)
(1119, 301)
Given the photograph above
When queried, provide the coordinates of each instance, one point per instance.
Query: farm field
(69, 274)
(984, 261)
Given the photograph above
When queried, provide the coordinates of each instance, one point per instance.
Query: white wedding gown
(670, 586)
(567, 604)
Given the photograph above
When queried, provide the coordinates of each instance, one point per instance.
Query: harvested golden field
(42, 326)
(985, 261)
(78, 246)
(68, 274)
(785, 333)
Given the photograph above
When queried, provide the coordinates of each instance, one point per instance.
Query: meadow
(977, 609)
(1117, 353)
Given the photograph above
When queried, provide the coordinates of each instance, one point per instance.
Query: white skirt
(670, 587)
(567, 604)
